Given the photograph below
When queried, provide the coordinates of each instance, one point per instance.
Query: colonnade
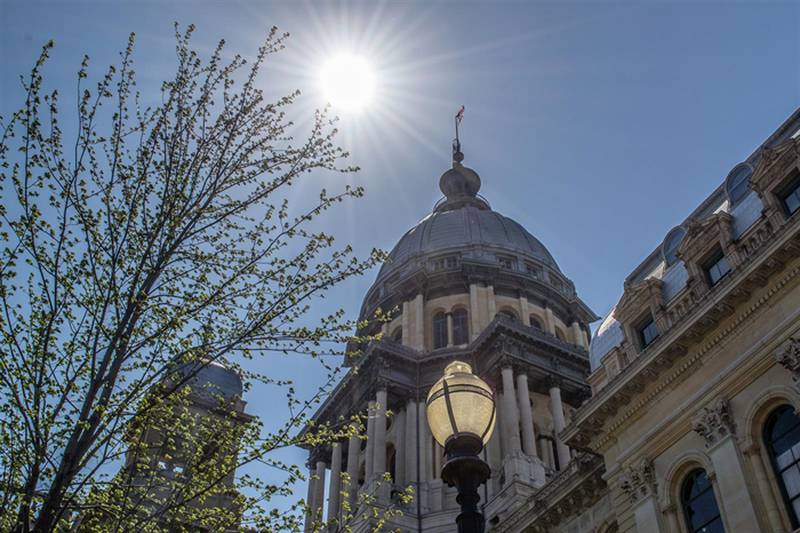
(518, 427)
(418, 459)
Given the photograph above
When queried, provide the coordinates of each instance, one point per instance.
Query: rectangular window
(534, 271)
(791, 198)
(648, 333)
(717, 268)
(509, 263)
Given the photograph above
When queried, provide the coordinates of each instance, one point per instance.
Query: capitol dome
(463, 233)
(478, 232)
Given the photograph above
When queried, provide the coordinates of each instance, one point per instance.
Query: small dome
(607, 336)
(212, 380)
(460, 181)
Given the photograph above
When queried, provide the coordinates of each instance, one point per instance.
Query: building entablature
(406, 374)
(545, 289)
(690, 316)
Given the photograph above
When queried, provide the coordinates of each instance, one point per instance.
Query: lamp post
(461, 415)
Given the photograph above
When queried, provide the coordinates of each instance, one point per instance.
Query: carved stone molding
(788, 356)
(714, 422)
(639, 481)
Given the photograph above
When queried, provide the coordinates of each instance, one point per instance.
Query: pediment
(774, 164)
(704, 234)
(638, 297)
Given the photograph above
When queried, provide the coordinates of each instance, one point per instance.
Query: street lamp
(461, 415)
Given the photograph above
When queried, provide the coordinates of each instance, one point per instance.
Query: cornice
(648, 367)
(567, 494)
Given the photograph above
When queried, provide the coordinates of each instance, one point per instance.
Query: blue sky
(598, 126)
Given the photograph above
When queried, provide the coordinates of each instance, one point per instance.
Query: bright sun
(348, 82)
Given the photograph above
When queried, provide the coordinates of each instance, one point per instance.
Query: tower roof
(464, 222)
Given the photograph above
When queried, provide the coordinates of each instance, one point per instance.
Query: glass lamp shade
(460, 403)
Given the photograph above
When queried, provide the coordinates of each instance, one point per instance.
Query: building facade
(679, 417)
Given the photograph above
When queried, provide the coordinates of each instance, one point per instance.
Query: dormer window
(717, 267)
(648, 332)
(444, 263)
(507, 262)
(534, 271)
(791, 196)
(671, 244)
(737, 185)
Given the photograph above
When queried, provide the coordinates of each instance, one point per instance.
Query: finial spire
(458, 157)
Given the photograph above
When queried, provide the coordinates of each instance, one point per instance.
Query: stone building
(182, 444)
(679, 417)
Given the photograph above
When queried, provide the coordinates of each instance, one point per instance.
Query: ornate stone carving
(639, 481)
(714, 422)
(788, 355)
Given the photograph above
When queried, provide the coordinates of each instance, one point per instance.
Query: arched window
(460, 326)
(737, 185)
(699, 504)
(439, 330)
(782, 437)
(535, 322)
(669, 249)
(508, 313)
(560, 334)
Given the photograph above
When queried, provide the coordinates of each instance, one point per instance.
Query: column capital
(788, 356)
(553, 381)
(714, 422)
(639, 481)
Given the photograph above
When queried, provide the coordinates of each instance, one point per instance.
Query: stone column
(425, 455)
(549, 321)
(765, 489)
(491, 303)
(370, 451)
(493, 451)
(526, 416)
(319, 490)
(335, 487)
(438, 455)
(510, 411)
(400, 448)
(523, 308)
(500, 429)
(449, 317)
(557, 411)
(379, 449)
(353, 449)
(577, 335)
(473, 311)
(411, 441)
(419, 323)
(405, 323)
(715, 424)
(310, 499)
(547, 451)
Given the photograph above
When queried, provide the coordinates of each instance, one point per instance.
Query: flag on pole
(460, 115)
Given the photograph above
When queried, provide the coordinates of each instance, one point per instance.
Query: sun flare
(348, 82)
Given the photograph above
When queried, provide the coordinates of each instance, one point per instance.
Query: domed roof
(476, 233)
(463, 222)
(212, 379)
